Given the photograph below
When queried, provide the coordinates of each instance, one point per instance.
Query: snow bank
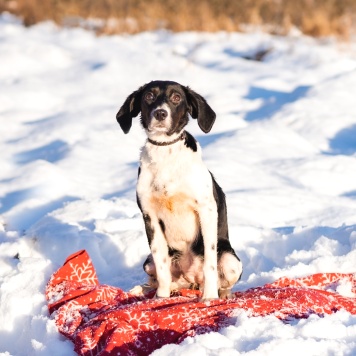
(283, 149)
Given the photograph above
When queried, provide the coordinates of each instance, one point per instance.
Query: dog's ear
(200, 109)
(130, 109)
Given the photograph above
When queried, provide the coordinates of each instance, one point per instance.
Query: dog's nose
(160, 114)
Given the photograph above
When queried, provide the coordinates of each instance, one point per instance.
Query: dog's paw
(141, 290)
(163, 292)
(209, 297)
(225, 294)
(207, 300)
(137, 290)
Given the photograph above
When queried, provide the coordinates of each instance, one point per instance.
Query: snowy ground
(283, 149)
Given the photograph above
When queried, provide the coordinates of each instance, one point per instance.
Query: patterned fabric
(104, 320)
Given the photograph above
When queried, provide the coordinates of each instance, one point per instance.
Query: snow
(283, 148)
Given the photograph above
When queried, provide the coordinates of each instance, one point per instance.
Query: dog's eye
(176, 98)
(149, 96)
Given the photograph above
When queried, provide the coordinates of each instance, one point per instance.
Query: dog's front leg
(161, 259)
(159, 249)
(208, 220)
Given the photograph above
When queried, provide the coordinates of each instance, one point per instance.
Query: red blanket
(103, 320)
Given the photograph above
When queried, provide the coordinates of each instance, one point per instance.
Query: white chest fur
(172, 184)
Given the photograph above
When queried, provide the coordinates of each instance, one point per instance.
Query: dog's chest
(167, 178)
(168, 190)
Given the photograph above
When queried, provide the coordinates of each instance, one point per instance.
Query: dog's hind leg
(229, 271)
(150, 268)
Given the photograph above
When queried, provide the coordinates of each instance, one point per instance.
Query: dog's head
(164, 107)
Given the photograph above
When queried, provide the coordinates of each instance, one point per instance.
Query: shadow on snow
(344, 142)
(28, 216)
(205, 140)
(273, 101)
(52, 152)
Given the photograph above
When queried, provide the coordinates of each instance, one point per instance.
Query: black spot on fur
(225, 246)
(190, 142)
(138, 202)
(146, 263)
(172, 252)
(219, 196)
(149, 228)
(198, 245)
(161, 224)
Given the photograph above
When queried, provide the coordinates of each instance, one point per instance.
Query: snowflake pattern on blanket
(104, 320)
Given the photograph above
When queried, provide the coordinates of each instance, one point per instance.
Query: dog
(183, 207)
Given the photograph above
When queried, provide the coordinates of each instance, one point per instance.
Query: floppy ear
(199, 109)
(129, 109)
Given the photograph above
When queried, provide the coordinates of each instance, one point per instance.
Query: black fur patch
(198, 245)
(147, 262)
(172, 252)
(219, 196)
(138, 202)
(190, 142)
(225, 246)
(149, 229)
(161, 224)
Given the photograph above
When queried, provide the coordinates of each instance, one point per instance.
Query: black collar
(165, 143)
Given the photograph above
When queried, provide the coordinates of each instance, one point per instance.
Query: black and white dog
(183, 207)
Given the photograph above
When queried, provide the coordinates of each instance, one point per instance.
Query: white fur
(176, 187)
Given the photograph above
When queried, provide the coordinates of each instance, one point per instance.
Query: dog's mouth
(158, 126)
